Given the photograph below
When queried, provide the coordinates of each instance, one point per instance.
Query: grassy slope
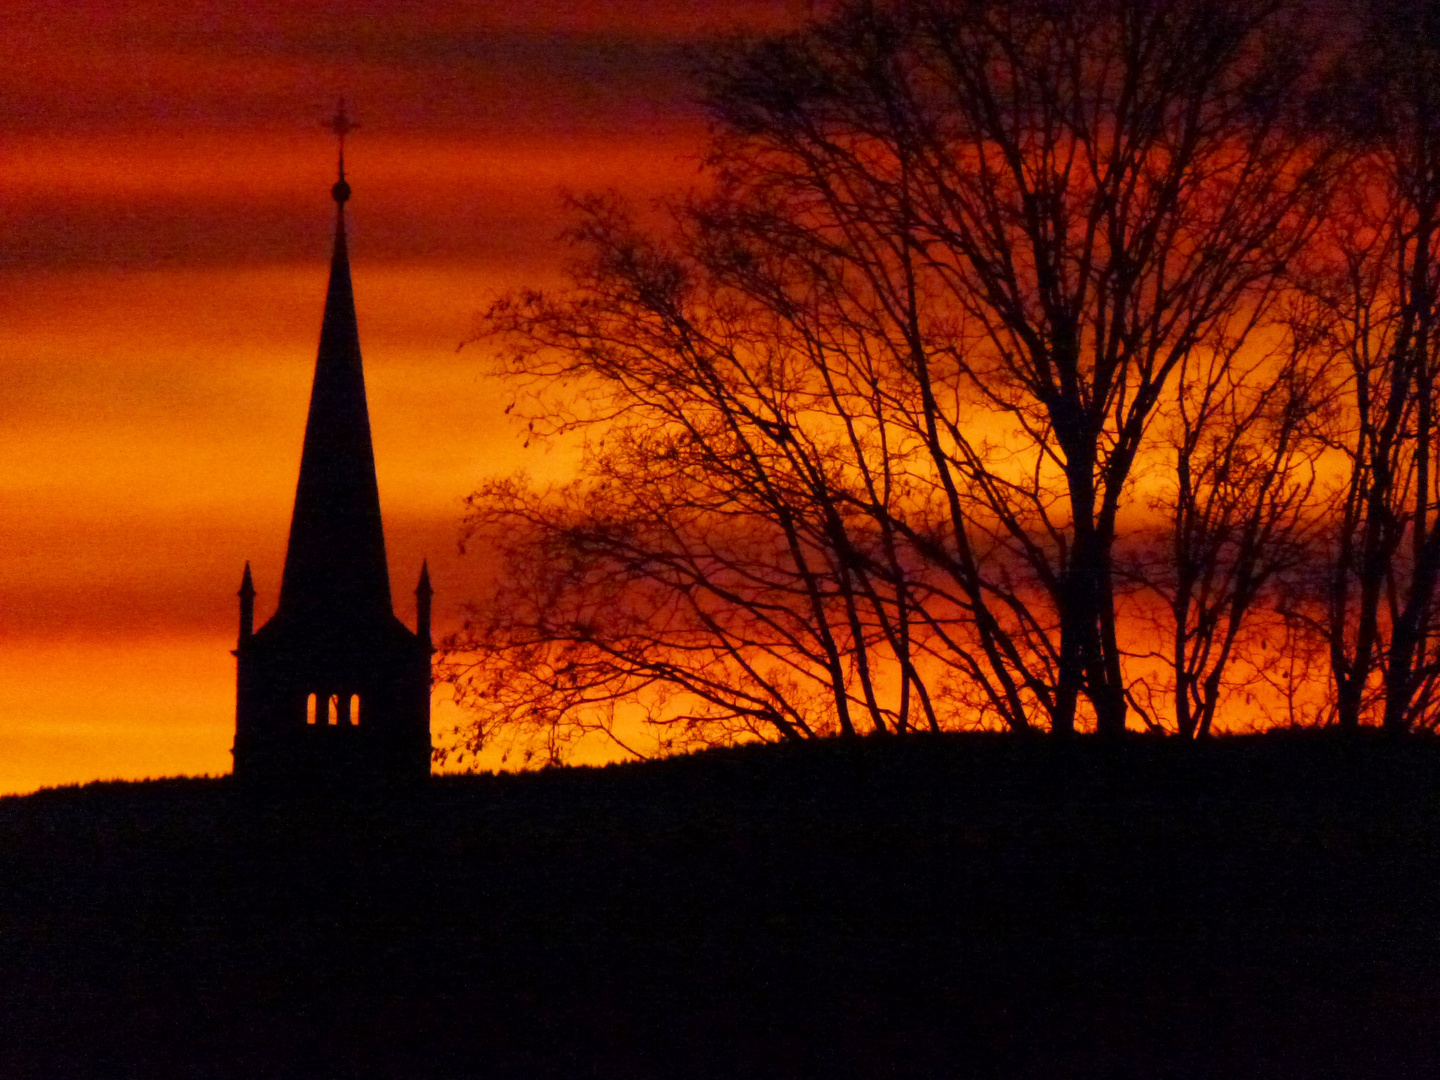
(966, 906)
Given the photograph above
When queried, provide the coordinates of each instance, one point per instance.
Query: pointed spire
(335, 569)
(423, 593)
(247, 605)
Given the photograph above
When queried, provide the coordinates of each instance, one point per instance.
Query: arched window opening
(332, 709)
(310, 709)
(359, 709)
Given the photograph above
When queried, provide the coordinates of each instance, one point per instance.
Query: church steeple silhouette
(335, 566)
(334, 684)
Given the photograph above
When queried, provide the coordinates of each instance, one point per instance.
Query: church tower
(334, 685)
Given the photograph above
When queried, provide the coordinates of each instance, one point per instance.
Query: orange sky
(164, 239)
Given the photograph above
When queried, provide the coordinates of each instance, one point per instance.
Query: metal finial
(341, 125)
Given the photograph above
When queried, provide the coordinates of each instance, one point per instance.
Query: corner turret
(423, 593)
(247, 606)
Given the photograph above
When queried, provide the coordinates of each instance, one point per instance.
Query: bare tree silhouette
(710, 566)
(871, 416)
(1242, 508)
(1377, 302)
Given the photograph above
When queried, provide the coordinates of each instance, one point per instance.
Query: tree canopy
(1041, 365)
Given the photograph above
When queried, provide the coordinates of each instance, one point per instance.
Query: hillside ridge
(969, 905)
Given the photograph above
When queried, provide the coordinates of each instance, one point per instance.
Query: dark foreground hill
(971, 906)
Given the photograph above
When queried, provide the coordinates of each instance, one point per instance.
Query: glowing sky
(164, 239)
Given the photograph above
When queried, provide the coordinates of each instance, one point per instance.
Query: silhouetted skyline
(162, 174)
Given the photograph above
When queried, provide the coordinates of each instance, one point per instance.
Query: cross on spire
(341, 125)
